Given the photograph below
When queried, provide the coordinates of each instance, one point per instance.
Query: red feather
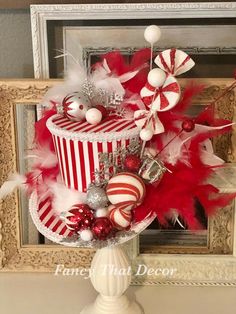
(211, 199)
(119, 65)
(39, 175)
(43, 136)
(186, 100)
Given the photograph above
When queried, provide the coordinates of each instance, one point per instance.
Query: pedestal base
(112, 305)
(111, 276)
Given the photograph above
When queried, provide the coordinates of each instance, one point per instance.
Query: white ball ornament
(93, 116)
(146, 134)
(156, 77)
(101, 212)
(152, 34)
(86, 235)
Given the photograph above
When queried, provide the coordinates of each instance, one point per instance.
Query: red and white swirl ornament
(126, 188)
(119, 216)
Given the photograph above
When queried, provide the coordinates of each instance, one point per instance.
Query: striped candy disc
(125, 187)
(174, 61)
(119, 217)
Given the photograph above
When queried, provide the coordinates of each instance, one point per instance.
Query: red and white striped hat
(78, 145)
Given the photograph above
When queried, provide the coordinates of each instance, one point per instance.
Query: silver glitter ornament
(89, 90)
(96, 197)
(115, 99)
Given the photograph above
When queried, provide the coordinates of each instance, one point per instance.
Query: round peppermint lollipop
(174, 61)
(161, 98)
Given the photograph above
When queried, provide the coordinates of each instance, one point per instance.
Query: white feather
(199, 129)
(135, 100)
(111, 85)
(211, 159)
(174, 216)
(76, 75)
(178, 149)
(105, 66)
(59, 92)
(174, 151)
(43, 156)
(9, 186)
(65, 198)
(102, 78)
(74, 79)
(127, 76)
(207, 154)
(64, 53)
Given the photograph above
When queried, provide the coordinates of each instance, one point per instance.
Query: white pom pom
(101, 212)
(156, 77)
(86, 235)
(152, 34)
(93, 116)
(146, 134)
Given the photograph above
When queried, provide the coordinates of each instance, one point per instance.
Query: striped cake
(78, 145)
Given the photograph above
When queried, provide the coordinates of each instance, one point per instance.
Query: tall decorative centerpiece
(114, 150)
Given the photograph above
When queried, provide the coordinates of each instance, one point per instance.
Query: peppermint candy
(119, 216)
(163, 98)
(126, 187)
(166, 93)
(174, 61)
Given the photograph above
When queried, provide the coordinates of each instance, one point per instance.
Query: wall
(16, 58)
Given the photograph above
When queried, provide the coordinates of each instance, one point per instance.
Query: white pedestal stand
(111, 276)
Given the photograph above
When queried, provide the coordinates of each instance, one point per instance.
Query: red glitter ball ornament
(79, 217)
(132, 163)
(188, 125)
(103, 110)
(102, 228)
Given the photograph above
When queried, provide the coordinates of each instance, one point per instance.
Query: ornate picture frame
(15, 256)
(43, 15)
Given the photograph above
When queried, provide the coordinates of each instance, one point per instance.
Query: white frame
(200, 270)
(80, 42)
(40, 14)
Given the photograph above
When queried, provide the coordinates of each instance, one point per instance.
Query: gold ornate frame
(14, 256)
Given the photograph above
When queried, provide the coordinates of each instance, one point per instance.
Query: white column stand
(111, 276)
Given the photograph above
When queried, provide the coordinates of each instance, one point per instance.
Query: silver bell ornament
(75, 106)
(96, 197)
